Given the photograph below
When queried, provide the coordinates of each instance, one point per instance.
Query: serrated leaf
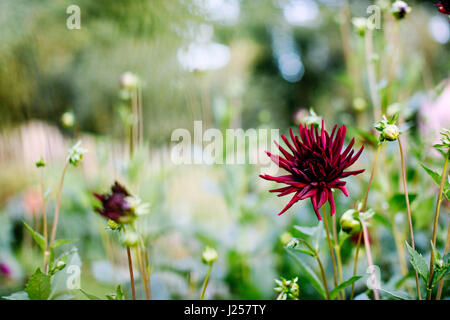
(433, 174)
(418, 262)
(21, 295)
(308, 272)
(343, 285)
(39, 238)
(38, 286)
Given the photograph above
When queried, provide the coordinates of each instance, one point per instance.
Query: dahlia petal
(356, 156)
(293, 200)
(351, 173)
(343, 189)
(349, 147)
(316, 209)
(294, 140)
(279, 189)
(323, 197)
(331, 201)
(288, 143)
(287, 191)
(284, 152)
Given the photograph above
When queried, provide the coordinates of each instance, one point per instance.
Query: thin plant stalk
(130, 268)
(447, 247)
(143, 271)
(333, 258)
(205, 283)
(44, 227)
(58, 204)
(337, 248)
(370, 261)
(322, 272)
(147, 272)
(355, 265)
(364, 207)
(436, 220)
(405, 188)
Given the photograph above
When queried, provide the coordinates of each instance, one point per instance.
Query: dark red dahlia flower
(315, 166)
(444, 7)
(114, 205)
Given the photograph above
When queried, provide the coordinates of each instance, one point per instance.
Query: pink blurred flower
(435, 116)
(32, 202)
(5, 269)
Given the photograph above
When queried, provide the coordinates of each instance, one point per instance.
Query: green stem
(355, 265)
(330, 246)
(58, 204)
(370, 261)
(436, 219)
(447, 247)
(130, 269)
(405, 188)
(364, 207)
(205, 283)
(337, 248)
(44, 217)
(322, 272)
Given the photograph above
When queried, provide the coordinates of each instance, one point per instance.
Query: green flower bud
(128, 80)
(40, 163)
(209, 255)
(130, 239)
(60, 265)
(113, 225)
(76, 154)
(360, 25)
(68, 119)
(391, 132)
(287, 289)
(350, 223)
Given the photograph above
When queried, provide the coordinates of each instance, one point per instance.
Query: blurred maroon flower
(315, 166)
(444, 6)
(114, 205)
(5, 269)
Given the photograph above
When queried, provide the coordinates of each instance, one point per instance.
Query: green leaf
(309, 231)
(418, 262)
(38, 286)
(396, 294)
(343, 285)
(308, 272)
(433, 174)
(39, 238)
(58, 243)
(60, 279)
(397, 202)
(118, 295)
(21, 295)
(90, 296)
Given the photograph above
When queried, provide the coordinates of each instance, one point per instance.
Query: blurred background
(232, 64)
